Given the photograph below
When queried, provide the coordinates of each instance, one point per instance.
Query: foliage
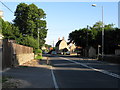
(10, 31)
(92, 36)
(29, 19)
(38, 52)
(28, 41)
(46, 45)
(38, 57)
(1, 21)
(32, 21)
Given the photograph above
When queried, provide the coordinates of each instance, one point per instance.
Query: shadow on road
(36, 77)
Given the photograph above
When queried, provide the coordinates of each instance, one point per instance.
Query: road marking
(54, 79)
(99, 70)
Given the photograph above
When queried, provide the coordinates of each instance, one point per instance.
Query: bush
(29, 41)
(38, 52)
(39, 57)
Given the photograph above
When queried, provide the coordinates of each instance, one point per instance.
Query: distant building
(1, 36)
(72, 47)
(63, 46)
(43, 48)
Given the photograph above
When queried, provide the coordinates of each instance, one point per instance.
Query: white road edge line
(102, 71)
(54, 79)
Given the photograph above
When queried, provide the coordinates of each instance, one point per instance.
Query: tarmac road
(78, 73)
(68, 72)
(0, 56)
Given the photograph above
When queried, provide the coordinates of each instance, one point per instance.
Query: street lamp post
(94, 5)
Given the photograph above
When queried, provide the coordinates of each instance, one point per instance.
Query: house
(72, 47)
(61, 45)
(1, 36)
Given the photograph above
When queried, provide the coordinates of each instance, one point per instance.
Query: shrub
(29, 41)
(38, 57)
(38, 52)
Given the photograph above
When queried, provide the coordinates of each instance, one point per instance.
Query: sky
(64, 17)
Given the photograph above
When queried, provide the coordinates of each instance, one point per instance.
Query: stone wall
(15, 54)
(112, 58)
(22, 54)
(117, 52)
(92, 52)
(23, 58)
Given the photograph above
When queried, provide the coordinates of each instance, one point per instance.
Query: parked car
(67, 53)
(53, 53)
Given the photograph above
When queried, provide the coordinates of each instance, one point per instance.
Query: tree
(9, 30)
(81, 37)
(93, 37)
(30, 19)
(1, 21)
(29, 41)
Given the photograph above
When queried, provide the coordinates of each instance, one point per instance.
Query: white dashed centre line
(54, 79)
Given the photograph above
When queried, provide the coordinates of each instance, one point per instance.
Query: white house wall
(63, 45)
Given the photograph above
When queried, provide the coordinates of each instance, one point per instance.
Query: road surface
(0, 56)
(0, 63)
(71, 72)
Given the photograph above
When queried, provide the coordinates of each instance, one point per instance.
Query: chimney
(63, 38)
(58, 38)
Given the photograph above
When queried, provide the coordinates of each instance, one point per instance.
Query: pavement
(34, 76)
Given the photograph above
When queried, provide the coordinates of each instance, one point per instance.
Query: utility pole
(87, 36)
(53, 43)
(38, 38)
(94, 5)
(102, 35)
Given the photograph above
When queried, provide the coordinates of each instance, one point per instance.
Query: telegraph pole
(87, 36)
(53, 43)
(38, 38)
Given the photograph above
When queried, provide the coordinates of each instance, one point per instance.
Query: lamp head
(94, 5)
